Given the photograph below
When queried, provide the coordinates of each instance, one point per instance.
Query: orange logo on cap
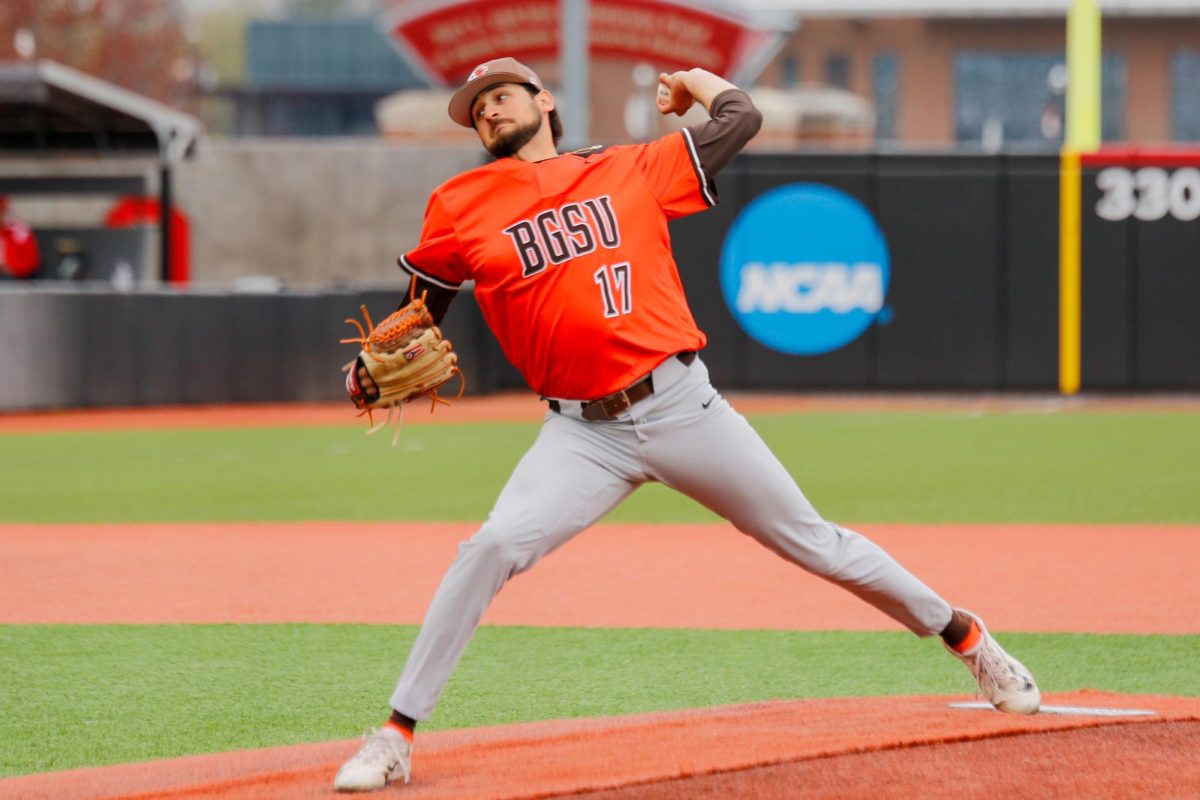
(478, 72)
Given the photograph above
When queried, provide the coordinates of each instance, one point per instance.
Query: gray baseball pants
(686, 436)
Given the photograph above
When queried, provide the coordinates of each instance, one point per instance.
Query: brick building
(992, 73)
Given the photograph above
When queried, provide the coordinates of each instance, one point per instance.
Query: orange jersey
(571, 259)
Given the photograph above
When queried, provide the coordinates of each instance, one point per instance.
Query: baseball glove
(406, 356)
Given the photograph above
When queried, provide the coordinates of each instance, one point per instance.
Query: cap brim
(464, 98)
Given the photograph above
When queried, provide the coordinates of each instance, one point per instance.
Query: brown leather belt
(617, 403)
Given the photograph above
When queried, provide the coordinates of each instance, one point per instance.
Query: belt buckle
(616, 404)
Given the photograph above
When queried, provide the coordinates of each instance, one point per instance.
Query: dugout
(63, 132)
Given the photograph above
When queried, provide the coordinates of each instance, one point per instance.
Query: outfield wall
(97, 347)
(971, 300)
(973, 253)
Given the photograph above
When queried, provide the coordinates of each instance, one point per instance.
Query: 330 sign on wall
(1148, 194)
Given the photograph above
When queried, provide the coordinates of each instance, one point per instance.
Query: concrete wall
(309, 212)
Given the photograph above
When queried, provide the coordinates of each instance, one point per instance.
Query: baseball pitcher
(573, 271)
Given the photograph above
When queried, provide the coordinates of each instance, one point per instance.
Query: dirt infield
(1084, 578)
(892, 747)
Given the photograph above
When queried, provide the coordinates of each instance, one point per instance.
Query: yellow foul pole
(1082, 135)
(1069, 273)
(1083, 76)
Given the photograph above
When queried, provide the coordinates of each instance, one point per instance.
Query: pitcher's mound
(872, 747)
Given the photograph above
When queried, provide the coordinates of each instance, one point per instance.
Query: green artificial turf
(859, 467)
(87, 695)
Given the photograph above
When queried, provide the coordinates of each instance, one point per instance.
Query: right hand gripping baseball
(673, 95)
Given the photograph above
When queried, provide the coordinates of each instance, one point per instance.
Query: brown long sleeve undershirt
(733, 121)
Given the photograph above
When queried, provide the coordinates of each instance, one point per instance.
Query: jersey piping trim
(696, 165)
(407, 266)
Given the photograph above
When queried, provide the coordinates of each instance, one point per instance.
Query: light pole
(573, 67)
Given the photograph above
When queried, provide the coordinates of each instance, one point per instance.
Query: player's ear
(546, 101)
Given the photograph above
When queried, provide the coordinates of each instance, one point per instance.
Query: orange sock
(400, 729)
(972, 639)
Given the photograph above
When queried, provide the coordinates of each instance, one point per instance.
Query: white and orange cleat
(384, 756)
(1003, 681)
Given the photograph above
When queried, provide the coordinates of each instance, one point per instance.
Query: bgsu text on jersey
(560, 234)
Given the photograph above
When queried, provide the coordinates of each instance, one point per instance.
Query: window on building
(317, 76)
(837, 71)
(1007, 98)
(789, 72)
(885, 92)
(1185, 96)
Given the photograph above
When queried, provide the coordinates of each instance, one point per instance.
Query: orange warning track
(886, 747)
(1083, 578)
(525, 407)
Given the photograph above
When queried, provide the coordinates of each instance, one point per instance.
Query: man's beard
(509, 142)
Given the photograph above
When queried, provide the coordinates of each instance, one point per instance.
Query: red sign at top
(450, 38)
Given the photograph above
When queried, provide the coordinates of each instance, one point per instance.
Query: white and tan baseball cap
(485, 76)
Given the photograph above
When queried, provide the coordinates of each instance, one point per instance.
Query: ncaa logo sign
(804, 269)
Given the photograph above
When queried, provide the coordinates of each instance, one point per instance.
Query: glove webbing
(394, 331)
